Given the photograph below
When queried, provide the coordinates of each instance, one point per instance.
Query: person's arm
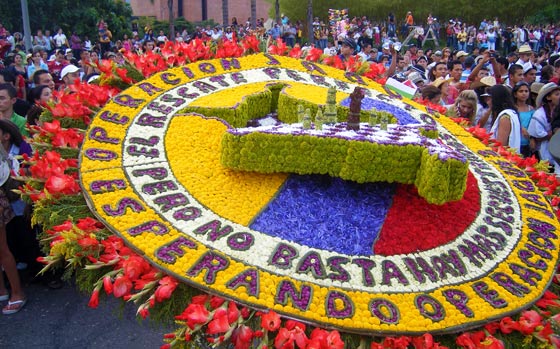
(496, 68)
(476, 70)
(393, 65)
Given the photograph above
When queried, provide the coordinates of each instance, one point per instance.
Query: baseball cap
(461, 54)
(69, 69)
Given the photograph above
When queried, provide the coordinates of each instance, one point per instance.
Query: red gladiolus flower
(492, 327)
(219, 324)
(466, 341)
(492, 342)
(194, 314)
(144, 313)
(296, 52)
(135, 266)
(122, 286)
(545, 332)
(62, 184)
(507, 325)
(319, 335)
(166, 287)
(270, 321)
(426, 341)
(251, 44)
(279, 49)
(314, 54)
(88, 243)
(548, 300)
(397, 343)
(216, 302)
(528, 321)
(555, 341)
(89, 224)
(94, 300)
(200, 299)
(108, 284)
(242, 337)
(121, 72)
(284, 339)
(375, 345)
(334, 341)
(245, 312)
(232, 313)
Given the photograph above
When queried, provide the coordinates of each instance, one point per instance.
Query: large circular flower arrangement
(360, 258)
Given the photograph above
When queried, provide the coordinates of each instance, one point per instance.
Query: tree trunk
(253, 14)
(277, 11)
(310, 21)
(225, 13)
(171, 20)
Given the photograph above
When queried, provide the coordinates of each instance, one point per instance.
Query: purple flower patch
(328, 213)
(403, 117)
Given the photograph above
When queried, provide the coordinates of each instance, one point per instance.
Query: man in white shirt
(330, 49)
(60, 39)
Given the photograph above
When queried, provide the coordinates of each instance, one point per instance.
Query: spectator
(36, 65)
(465, 106)
(521, 96)
(7, 101)
(60, 40)
(105, 37)
(506, 127)
(515, 74)
(21, 239)
(70, 74)
(540, 128)
(19, 69)
(75, 44)
(529, 73)
(16, 300)
(56, 66)
(43, 77)
(20, 106)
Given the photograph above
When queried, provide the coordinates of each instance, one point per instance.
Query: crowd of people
(502, 78)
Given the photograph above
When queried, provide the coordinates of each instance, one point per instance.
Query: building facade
(199, 10)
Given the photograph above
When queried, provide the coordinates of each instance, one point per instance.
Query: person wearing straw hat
(483, 116)
(540, 128)
(525, 53)
(443, 85)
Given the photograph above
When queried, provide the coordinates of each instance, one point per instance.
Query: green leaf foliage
(471, 11)
(76, 15)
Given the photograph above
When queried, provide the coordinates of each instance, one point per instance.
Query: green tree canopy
(471, 11)
(70, 15)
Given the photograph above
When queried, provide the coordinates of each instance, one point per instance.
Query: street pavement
(62, 319)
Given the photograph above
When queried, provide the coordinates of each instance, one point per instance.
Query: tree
(225, 13)
(310, 21)
(253, 13)
(277, 11)
(70, 15)
(469, 11)
(171, 20)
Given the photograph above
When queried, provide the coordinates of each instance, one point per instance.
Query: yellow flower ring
(153, 175)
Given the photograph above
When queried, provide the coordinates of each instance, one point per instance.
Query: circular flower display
(360, 257)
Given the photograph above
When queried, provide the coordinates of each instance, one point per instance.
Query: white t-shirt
(59, 39)
(514, 139)
(539, 127)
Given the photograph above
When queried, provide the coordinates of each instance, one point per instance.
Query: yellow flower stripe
(194, 148)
